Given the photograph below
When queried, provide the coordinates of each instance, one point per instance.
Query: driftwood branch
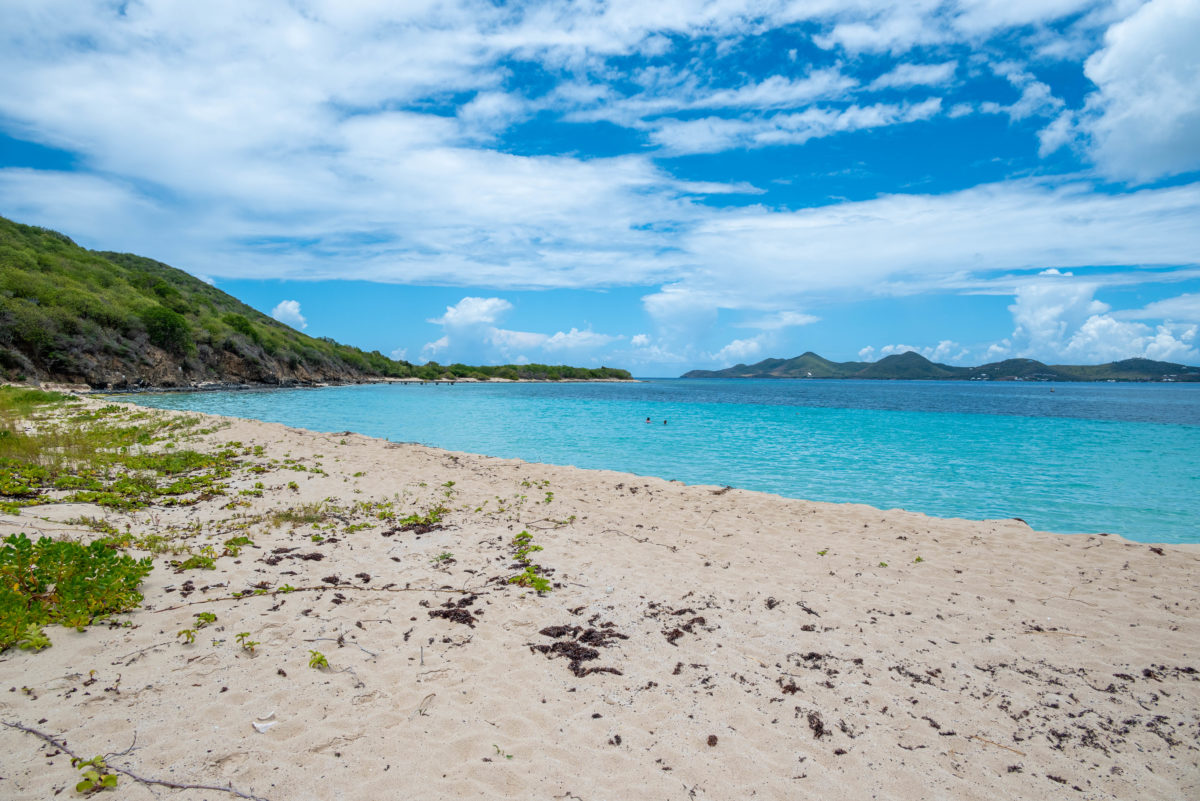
(645, 540)
(62, 746)
(554, 524)
(133, 656)
(998, 745)
(1068, 598)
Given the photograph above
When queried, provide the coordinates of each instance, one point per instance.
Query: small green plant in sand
(244, 640)
(95, 775)
(531, 576)
(157, 543)
(95, 524)
(523, 543)
(188, 635)
(443, 558)
(822, 552)
(430, 518)
(34, 639)
(918, 560)
(317, 660)
(69, 583)
(204, 618)
(199, 561)
(501, 753)
(883, 564)
(234, 545)
(303, 515)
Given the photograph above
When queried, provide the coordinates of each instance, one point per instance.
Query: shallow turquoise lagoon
(1068, 458)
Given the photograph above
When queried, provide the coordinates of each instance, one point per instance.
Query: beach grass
(111, 455)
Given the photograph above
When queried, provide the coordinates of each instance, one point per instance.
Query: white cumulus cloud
(1144, 118)
(1057, 318)
(739, 350)
(473, 311)
(1102, 338)
(507, 340)
(432, 349)
(288, 312)
(576, 339)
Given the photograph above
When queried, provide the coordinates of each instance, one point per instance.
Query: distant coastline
(912, 366)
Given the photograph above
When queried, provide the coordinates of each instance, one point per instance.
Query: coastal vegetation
(48, 581)
(913, 366)
(120, 321)
(99, 456)
(57, 449)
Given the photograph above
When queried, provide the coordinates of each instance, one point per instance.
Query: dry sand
(752, 647)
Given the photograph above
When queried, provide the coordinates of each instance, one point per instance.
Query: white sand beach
(697, 643)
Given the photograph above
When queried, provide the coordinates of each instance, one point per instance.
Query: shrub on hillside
(168, 329)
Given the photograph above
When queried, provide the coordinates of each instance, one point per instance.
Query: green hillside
(1022, 370)
(116, 320)
(913, 366)
(908, 366)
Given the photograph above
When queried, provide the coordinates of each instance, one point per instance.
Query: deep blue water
(1118, 458)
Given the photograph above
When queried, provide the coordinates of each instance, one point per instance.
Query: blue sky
(656, 186)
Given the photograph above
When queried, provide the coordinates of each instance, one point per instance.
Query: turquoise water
(1117, 458)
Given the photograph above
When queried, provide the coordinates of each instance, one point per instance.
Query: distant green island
(119, 321)
(912, 366)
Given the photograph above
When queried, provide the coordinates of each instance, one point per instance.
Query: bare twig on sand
(62, 746)
(998, 745)
(133, 656)
(342, 641)
(646, 540)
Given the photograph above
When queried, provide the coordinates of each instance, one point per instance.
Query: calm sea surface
(1119, 458)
